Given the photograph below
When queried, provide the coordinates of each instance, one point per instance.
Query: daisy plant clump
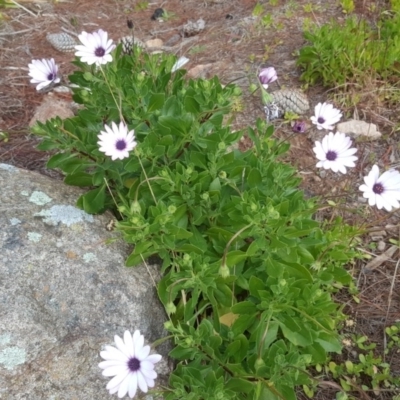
(249, 313)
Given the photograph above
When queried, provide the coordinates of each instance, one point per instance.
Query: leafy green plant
(347, 6)
(395, 5)
(353, 53)
(197, 49)
(366, 372)
(142, 5)
(248, 274)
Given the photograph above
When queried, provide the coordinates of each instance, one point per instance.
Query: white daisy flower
(384, 190)
(335, 152)
(44, 72)
(130, 364)
(95, 47)
(266, 76)
(326, 116)
(116, 141)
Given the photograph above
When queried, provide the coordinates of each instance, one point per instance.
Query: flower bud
(237, 91)
(224, 271)
(168, 325)
(135, 207)
(170, 308)
(122, 209)
(259, 363)
(171, 209)
(221, 146)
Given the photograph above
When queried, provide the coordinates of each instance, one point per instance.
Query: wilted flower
(130, 364)
(95, 48)
(180, 63)
(384, 190)
(44, 72)
(117, 142)
(299, 126)
(326, 116)
(335, 152)
(266, 76)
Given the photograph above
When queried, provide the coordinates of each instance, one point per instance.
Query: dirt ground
(233, 46)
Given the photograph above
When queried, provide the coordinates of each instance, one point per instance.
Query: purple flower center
(50, 77)
(321, 120)
(99, 52)
(378, 188)
(331, 155)
(133, 364)
(120, 145)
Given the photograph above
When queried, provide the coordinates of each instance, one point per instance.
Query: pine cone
(291, 100)
(128, 42)
(62, 41)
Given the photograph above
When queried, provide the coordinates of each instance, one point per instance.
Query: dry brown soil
(233, 45)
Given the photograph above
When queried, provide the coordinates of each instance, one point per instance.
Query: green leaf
(216, 119)
(298, 335)
(244, 307)
(191, 105)
(58, 159)
(93, 201)
(48, 144)
(254, 178)
(198, 159)
(239, 385)
(180, 353)
(252, 249)
(255, 285)
(243, 323)
(329, 342)
(235, 257)
(156, 102)
(189, 248)
(299, 271)
(267, 334)
(215, 185)
(78, 179)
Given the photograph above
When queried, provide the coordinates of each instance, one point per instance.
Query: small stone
(199, 71)
(173, 40)
(357, 128)
(158, 13)
(193, 28)
(154, 44)
(381, 245)
(52, 107)
(377, 235)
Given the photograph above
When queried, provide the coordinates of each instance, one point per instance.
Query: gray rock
(357, 128)
(64, 292)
